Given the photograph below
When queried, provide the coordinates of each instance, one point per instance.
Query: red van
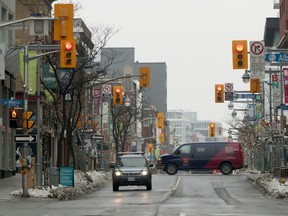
(223, 156)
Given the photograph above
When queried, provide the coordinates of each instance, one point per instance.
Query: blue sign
(276, 57)
(67, 176)
(11, 103)
(252, 96)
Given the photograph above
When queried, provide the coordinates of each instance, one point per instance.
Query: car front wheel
(115, 187)
(171, 169)
(149, 186)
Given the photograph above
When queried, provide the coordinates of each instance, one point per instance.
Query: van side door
(202, 154)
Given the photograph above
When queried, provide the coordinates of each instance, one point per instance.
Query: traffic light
(144, 77)
(161, 138)
(212, 129)
(68, 53)
(240, 54)
(13, 116)
(160, 120)
(63, 23)
(150, 147)
(117, 95)
(219, 93)
(255, 85)
(27, 122)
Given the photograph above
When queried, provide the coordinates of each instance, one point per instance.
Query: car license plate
(131, 179)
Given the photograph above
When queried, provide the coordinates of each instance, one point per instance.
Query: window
(185, 149)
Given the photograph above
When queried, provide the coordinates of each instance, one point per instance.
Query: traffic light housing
(150, 147)
(68, 53)
(161, 138)
(13, 118)
(255, 85)
(160, 120)
(240, 54)
(117, 95)
(219, 93)
(144, 77)
(63, 23)
(212, 129)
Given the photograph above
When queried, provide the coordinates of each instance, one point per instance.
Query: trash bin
(54, 176)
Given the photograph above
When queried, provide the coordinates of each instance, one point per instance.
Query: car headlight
(159, 160)
(144, 172)
(118, 173)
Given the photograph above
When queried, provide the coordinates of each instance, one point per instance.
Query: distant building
(186, 128)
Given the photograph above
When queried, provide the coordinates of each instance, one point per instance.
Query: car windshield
(131, 162)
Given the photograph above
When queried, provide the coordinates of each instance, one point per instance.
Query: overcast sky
(193, 37)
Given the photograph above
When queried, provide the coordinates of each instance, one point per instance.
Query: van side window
(185, 149)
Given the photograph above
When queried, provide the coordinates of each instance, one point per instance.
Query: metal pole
(101, 128)
(25, 165)
(39, 153)
(263, 119)
(281, 117)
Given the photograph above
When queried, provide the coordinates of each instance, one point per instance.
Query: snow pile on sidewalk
(83, 181)
(271, 186)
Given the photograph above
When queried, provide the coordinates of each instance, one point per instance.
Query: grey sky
(193, 37)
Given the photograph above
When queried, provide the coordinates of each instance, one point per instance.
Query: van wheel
(226, 168)
(171, 169)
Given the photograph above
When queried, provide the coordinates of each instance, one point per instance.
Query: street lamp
(230, 105)
(234, 113)
(127, 102)
(246, 77)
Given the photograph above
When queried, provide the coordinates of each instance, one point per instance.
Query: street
(182, 194)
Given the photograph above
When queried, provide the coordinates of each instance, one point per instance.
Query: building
(187, 128)
(7, 91)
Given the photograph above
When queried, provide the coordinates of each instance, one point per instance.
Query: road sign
(257, 59)
(97, 137)
(25, 138)
(229, 96)
(276, 57)
(228, 87)
(106, 89)
(252, 96)
(11, 103)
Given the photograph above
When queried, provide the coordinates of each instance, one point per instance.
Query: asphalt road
(183, 194)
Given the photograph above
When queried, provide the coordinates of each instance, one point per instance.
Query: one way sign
(97, 137)
(25, 138)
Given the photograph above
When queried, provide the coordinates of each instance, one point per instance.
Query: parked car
(131, 168)
(223, 156)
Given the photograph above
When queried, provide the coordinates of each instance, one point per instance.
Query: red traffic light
(219, 88)
(239, 47)
(68, 46)
(117, 90)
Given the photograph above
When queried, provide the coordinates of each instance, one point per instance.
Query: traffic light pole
(25, 108)
(25, 97)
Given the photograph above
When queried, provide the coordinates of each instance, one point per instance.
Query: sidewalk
(7, 185)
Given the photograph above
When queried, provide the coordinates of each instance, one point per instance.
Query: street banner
(32, 69)
(285, 75)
